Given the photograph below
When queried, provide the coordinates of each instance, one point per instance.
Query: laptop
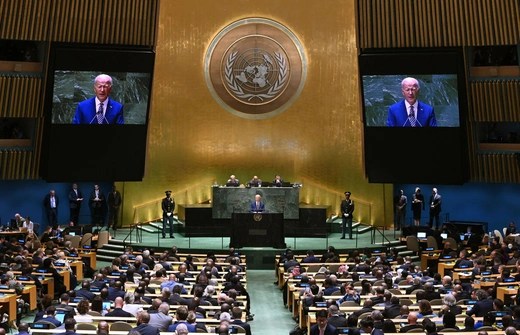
(60, 315)
(444, 236)
(462, 237)
(421, 234)
(72, 233)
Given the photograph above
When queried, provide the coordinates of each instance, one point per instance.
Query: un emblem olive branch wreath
(273, 91)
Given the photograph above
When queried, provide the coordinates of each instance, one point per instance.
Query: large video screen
(75, 93)
(414, 107)
(97, 101)
(436, 95)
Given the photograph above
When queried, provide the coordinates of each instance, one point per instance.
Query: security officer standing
(168, 205)
(347, 208)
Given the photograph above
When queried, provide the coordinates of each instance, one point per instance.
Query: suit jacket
(119, 312)
(253, 208)
(329, 330)
(73, 199)
(277, 183)
(242, 324)
(311, 259)
(85, 294)
(146, 329)
(398, 115)
(47, 202)
(392, 311)
(96, 204)
(409, 327)
(436, 202)
(160, 321)
(337, 321)
(114, 200)
(481, 307)
(86, 112)
(432, 295)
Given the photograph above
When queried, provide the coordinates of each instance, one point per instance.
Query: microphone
(94, 118)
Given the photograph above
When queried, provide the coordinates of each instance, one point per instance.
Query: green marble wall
(71, 87)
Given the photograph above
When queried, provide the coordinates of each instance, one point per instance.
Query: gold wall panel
(20, 96)
(434, 23)
(317, 139)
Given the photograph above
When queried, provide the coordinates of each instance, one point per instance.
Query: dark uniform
(347, 208)
(114, 201)
(168, 205)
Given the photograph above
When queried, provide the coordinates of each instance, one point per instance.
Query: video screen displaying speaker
(414, 107)
(97, 101)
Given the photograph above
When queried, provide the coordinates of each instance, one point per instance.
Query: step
(148, 230)
(115, 253)
(365, 229)
(111, 246)
(156, 225)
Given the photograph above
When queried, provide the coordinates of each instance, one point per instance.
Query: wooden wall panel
(130, 22)
(495, 101)
(20, 96)
(434, 23)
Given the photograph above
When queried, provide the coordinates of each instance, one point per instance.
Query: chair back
(497, 233)
(86, 240)
(432, 243)
(406, 302)
(121, 326)
(86, 326)
(94, 313)
(240, 329)
(412, 244)
(453, 243)
(102, 239)
(436, 302)
(74, 241)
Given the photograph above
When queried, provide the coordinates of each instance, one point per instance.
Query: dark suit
(418, 206)
(119, 312)
(347, 207)
(398, 115)
(409, 327)
(400, 211)
(329, 330)
(86, 112)
(242, 324)
(146, 329)
(168, 206)
(432, 295)
(75, 205)
(85, 294)
(253, 208)
(113, 201)
(392, 311)
(481, 307)
(277, 183)
(311, 259)
(52, 212)
(435, 209)
(337, 321)
(96, 207)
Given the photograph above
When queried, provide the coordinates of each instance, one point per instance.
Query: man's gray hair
(103, 75)
(164, 308)
(129, 298)
(146, 253)
(510, 331)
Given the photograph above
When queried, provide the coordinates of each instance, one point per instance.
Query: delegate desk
(229, 200)
(257, 230)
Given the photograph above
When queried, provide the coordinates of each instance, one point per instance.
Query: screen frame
(57, 138)
(379, 141)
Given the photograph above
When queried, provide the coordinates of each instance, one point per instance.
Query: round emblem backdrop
(255, 68)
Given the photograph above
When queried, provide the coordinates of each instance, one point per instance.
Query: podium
(257, 230)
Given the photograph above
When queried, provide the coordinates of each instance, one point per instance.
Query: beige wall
(192, 140)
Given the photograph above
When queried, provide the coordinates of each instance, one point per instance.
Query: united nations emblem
(257, 217)
(255, 68)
